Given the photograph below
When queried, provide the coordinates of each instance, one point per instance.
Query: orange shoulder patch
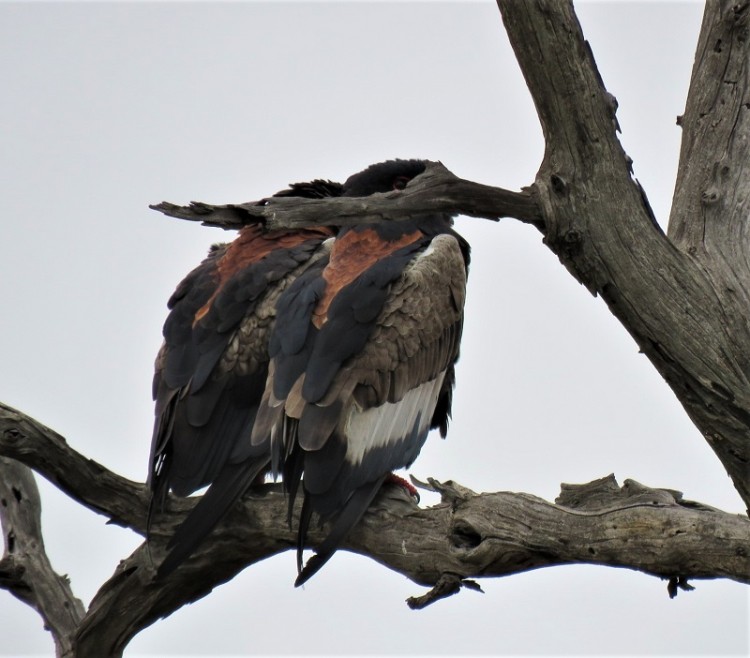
(351, 255)
(251, 246)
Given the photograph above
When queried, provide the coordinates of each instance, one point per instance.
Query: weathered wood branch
(437, 189)
(25, 570)
(123, 501)
(712, 195)
(599, 224)
(467, 536)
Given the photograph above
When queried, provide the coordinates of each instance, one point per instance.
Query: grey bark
(683, 297)
(438, 189)
(444, 547)
(688, 314)
(25, 570)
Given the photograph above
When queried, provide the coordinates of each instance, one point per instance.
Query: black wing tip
(180, 549)
(314, 564)
(211, 508)
(347, 518)
(170, 563)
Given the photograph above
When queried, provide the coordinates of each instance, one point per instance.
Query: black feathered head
(383, 177)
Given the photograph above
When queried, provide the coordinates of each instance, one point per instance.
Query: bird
(211, 370)
(362, 360)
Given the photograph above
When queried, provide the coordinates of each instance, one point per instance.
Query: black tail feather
(292, 476)
(231, 483)
(156, 502)
(304, 524)
(349, 516)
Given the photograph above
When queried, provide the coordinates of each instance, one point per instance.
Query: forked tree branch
(599, 224)
(467, 536)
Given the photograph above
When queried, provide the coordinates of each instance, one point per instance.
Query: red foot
(401, 482)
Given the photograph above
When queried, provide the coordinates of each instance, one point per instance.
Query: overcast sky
(106, 108)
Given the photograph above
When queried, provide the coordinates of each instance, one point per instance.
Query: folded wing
(211, 371)
(362, 371)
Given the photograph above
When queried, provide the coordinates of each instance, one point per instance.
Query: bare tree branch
(712, 195)
(437, 189)
(713, 187)
(102, 491)
(597, 221)
(467, 536)
(25, 569)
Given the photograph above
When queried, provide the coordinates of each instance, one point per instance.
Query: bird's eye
(400, 182)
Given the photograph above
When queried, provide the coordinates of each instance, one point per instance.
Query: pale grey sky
(108, 107)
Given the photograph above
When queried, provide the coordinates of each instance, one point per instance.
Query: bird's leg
(392, 478)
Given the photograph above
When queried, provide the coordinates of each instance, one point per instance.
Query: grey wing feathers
(369, 412)
(210, 377)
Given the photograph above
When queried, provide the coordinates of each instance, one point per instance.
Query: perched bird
(362, 359)
(212, 368)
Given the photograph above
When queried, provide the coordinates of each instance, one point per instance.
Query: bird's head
(383, 177)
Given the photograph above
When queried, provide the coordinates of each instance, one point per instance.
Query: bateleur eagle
(212, 368)
(362, 358)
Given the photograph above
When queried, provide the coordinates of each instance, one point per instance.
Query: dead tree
(684, 298)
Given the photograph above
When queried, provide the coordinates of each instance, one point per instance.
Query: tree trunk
(684, 301)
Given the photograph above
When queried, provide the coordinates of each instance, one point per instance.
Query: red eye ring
(400, 182)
